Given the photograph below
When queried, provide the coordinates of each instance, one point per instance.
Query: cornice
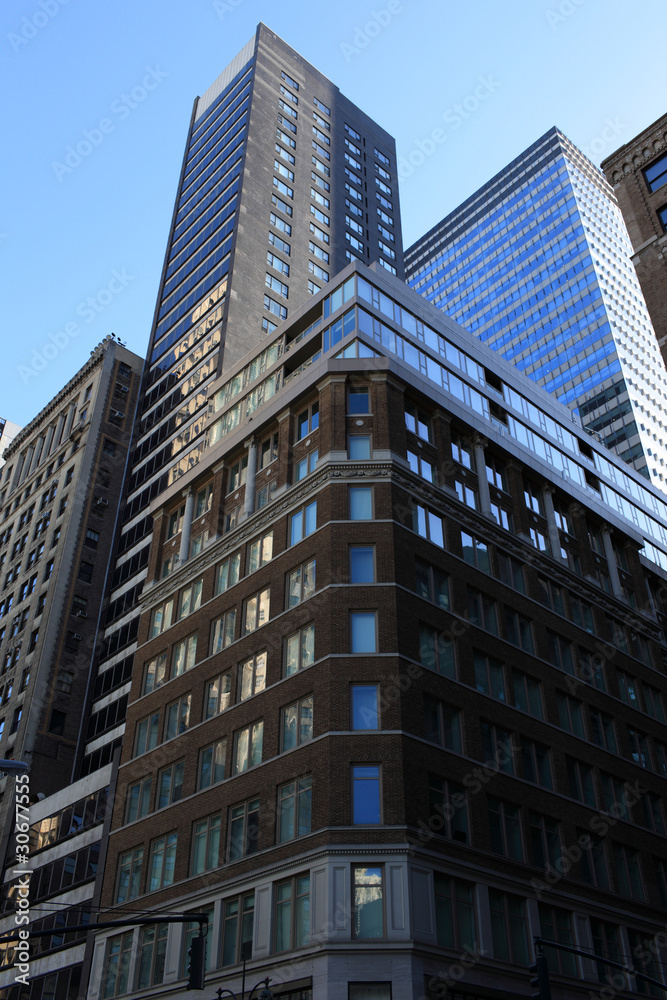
(253, 525)
(438, 497)
(637, 153)
(81, 376)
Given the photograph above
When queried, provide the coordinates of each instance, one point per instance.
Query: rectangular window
(162, 862)
(318, 252)
(363, 632)
(560, 652)
(432, 584)
(237, 926)
(476, 552)
(580, 782)
(279, 244)
(260, 552)
(305, 465)
(248, 747)
(299, 650)
(518, 630)
(205, 844)
(428, 524)
(279, 264)
(212, 762)
(504, 828)
(292, 917)
(497, 746)
(448, 809)
(656, 174)
(364, 706)
(146, 734)
(581, 613)
(280, 224)
(222, 631)
(243, 829)
(184, 655)
(367, 902)
(128, 880)
(556, 925)
(115, 975)
(303, 523)
(296, 723)
(227, 573)
(294, 809)
(366, 795)
(593, 860)
(455, 922)
(526, 694)
(169, 785)
(217, 695)
(601, 728)
(482, 611)
(442, 724)
(177, 717)
(162, 618)
(545, 840)
(509, 927)
(639, 751)
(301, 583)
(252, 676)
(256, 610)
(466, 494)
(319, 233)
(277, 285)
(436, 651)
(190, 599)
(358, 447)
(138, 800)
(489, 675)
(361, 563)
(570, 716)
(275, 307)
(536, 763)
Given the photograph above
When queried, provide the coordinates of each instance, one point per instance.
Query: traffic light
(197, 969)
(539, 971)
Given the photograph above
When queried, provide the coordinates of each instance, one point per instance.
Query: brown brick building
(399, 705)
(638, 172)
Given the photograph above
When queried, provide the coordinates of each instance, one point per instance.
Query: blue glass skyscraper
(537, 265)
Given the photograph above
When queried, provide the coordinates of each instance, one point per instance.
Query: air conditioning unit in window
(122, 389)
(80, 614)
(77, 636)
(118, 414)
(101, 502)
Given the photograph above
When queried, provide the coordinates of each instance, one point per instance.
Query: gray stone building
(60, 490)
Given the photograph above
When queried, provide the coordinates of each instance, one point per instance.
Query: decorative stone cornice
(442, 499)
(73, 385)
(637, 153)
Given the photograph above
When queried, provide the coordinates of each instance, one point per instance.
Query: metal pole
(596, 958)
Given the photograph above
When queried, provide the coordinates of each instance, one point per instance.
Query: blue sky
(82, 243)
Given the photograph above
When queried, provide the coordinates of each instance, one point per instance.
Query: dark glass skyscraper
(284, 181)
(537, 265)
